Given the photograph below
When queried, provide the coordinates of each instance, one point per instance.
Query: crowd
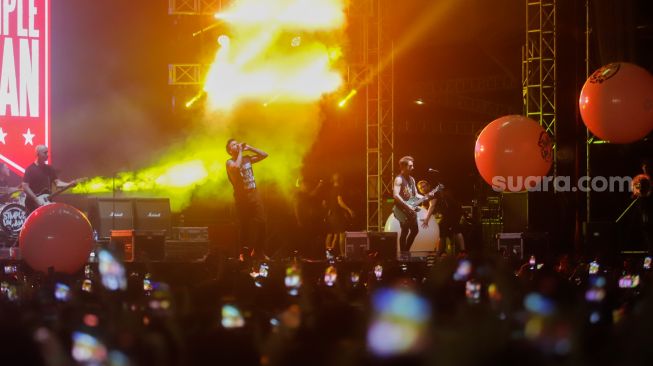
(463, 310)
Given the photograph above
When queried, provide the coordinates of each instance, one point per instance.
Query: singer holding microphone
(249, 208)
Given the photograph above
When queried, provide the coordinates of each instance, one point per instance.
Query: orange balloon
(57, 236)
(616, 103)
(512, 153)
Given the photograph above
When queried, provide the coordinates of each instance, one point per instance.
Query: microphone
(431, 170)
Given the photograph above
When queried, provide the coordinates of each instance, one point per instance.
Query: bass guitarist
(403, 190)
(38, 180)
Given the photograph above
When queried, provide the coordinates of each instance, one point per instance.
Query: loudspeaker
(356, 244)
(514, 209)
(138, 246)
(111, 214)
(385, 243)
(152, 214)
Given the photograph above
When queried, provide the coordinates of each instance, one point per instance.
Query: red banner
(24, 80)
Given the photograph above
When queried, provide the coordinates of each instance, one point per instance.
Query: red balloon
(512, 153)
(57, 236)
(616, 103)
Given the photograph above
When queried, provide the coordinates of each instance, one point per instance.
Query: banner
(24, 80)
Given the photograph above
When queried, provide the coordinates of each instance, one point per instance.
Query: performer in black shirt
(249, 208)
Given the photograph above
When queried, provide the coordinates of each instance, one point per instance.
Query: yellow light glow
(344, 101)
(259, 64)
(183, 175)
(303, 14)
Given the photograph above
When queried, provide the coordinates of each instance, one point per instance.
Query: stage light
(419, 101)
(344, 101)
(296, 41)
(223, 40)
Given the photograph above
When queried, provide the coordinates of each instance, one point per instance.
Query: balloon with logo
(56, 236)
(616, 103)
(512, 153)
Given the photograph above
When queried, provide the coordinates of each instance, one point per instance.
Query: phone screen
(61, 292)
(594, 268)
(647, 263)
(629, 281)
(232, 317)
(111, 271)
(293, 280)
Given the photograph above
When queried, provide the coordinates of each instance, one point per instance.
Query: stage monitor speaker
(385, 243)
(356, 244)
(111, 214)
(152, 214)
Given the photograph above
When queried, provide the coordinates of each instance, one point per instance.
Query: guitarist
(403, 190)
(38, 179)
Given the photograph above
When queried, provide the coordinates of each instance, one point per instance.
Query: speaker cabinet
(356, 244)
(111, 214)
(514, 207)
(137, 246)
(385, 243)
(152, 214)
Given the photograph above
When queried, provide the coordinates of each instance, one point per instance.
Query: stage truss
(539, 68)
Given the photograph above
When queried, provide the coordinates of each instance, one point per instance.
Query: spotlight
(296, 41)
(419, 101)
(223, 40)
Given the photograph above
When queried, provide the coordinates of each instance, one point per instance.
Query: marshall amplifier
(152, 214)
(111, 214)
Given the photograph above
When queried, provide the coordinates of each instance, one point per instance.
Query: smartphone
(87, 349)
(647, 263)
(399, 323)
(61, 292)
(293, 279)
(147, 283)
(473, 292)
(532, 262)
(378, 272)
(330, 276)
(231, 317)
(629, 281)
(10, 270)
(112, 271)
(87, 285)
(594, 268)
(463, 271)
(354, 277)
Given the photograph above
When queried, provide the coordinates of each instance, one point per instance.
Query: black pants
(409, 230)
(251, 221)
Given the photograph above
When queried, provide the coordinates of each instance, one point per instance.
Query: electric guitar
(414, 203)
(46, 196)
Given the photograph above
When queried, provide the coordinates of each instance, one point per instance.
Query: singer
(249, 208)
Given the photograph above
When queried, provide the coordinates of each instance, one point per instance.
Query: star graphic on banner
(3, 134)
(28, 137)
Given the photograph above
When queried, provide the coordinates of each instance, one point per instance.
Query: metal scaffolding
(539, 67)
(194, 7)
(376, 64)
